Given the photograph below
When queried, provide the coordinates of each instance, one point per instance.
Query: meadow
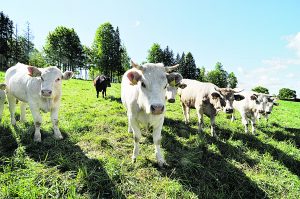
(94, 158)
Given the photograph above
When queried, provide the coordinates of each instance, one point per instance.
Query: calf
(143, 91)
(208, 99)
(40, 88)
(101, 83)
(253, 105)
(2, 99)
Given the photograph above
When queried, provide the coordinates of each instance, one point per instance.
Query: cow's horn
(171, 68)
(136, 65)
(238, 91)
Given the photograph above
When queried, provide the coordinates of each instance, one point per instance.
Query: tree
(6, 35)
(125, 59)
(190, 66)
(202, 76)
(107, 49)
(232, 80)
(168, 57)
(36, 58)
(286, 93)
(28, 41)
(155, 54)
(182, 67)
(218, 76)
(260, 89)
(63, 48)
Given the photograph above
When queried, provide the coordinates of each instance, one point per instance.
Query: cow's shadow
(66, 155)
(8, 143)
(206, 173)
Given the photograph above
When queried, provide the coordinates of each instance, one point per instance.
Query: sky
(257, 40)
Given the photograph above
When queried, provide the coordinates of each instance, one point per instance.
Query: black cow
(101, 83)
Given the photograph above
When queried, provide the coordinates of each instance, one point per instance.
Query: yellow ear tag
(134, 82)
(173, 83)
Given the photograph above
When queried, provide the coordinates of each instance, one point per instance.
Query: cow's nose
(171, 100)
(268, 112)
(261, 111)
(229, 110)
(46, 92)
(157, 109)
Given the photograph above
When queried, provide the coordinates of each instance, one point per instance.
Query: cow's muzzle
(171, 100)
(157, 109)
(46, 93)
(229, 110)
(261, 111)
(268, 112)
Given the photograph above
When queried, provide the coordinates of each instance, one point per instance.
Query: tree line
(106, 55)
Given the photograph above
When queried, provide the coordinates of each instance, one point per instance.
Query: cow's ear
(67, 75)
(2, 86)
(238, 97)
(254, 97)
(133, 77)
(34, 71)
(215, 95)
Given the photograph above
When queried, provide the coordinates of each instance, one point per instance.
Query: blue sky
(257, 40)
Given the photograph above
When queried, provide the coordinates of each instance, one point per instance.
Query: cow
(207, 99)
(101, 83)
(250, 108)
(143, 90)
(2, 99)
(173, 87)
(40, 88)
(268, 108)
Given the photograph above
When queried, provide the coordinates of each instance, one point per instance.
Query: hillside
(94, 159)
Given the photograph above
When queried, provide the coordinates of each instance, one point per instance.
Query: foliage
(232, 80)
(36, 58)
(155, 54)
(190, 67)
(218, 76)
(286, 93)
(202, 75)
(6, 34)
(168, 57)
(63, 48)
(107, 49)
(94, 159)
(260, 89)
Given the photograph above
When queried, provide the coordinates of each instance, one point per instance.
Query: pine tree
(155, 54)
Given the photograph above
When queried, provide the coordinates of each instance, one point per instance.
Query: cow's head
(151, 81)
(107, 79)
(228, 95)
(50, 79)
(2, 86)
(175, 82)
(269, 106)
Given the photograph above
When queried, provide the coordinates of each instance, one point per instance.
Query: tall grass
(94, 158)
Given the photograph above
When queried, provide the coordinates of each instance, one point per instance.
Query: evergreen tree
(202, 77)
(182, 67)
(232, 80)
(155, 54)
(168, 57)
(190, 66)
(6, 35)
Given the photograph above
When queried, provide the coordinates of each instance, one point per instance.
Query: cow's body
(207, 99)
(250, 108)
(40, 88)
(2, 99)
(143, 91)
(101, 83)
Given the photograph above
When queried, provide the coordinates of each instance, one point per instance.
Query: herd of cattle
(144, 91)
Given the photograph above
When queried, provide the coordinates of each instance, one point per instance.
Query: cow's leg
(104, 91)
(23, 112)
(232, 117)
(129, 127)
(213, 126)
(37, 118)
(157, 141)
(54, 120)
(253, 124)
(97, 94)
(1, 109)
(245, 122)
(184, 113)
(200, 119)
(12, 108)
(136, 136)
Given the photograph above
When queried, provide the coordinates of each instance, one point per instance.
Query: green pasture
(94, 158)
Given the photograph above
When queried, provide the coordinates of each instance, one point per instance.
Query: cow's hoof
(133, 160)
(58, 137)
(37, 139)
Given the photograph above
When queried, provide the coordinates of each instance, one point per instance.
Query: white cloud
(137, 23)
(294, 42)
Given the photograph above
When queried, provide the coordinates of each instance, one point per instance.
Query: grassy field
(94, 159)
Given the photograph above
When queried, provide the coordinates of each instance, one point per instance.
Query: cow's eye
(42, 78)
(58, 79)
(165, 86)
(143, 85)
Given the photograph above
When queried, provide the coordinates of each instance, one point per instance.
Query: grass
(94, 159)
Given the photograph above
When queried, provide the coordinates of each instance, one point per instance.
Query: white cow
(40, 88)
(268, 109)
(253, 105)
(2, 99)
(143, 91)
(207, 99)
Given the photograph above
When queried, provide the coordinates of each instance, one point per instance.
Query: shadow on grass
(114, 99)
(8, 143)
(67, 156)
(205, 173)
